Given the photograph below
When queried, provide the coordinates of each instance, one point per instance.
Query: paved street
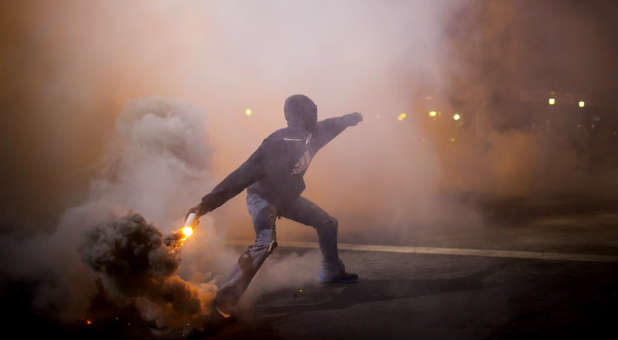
(441, 296)
(435, 295)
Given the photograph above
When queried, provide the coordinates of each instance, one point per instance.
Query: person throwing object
(273, 176)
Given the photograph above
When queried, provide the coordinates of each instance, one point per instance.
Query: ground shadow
(316, 297)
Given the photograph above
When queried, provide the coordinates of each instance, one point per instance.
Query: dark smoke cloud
(137, 268)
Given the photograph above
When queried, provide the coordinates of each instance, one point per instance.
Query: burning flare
(187, 231)
(175, 240)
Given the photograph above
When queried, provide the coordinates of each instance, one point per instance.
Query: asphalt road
(440, 296)
(429, 296)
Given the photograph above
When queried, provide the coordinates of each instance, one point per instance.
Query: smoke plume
(156, 163)
(137, 268)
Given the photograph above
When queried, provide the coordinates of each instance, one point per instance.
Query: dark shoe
(342, 277)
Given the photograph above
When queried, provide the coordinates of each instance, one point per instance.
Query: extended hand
(354, 118)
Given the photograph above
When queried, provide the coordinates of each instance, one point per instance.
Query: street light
(581, 103)
(456, 116)
(402, 116)
(248, 112)
(551, 101)
(433, 113)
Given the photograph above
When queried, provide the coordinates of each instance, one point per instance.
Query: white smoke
(157, 164)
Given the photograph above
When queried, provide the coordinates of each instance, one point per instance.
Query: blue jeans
(264, 215)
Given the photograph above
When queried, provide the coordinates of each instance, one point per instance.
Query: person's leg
(306, 212)
(263, 215)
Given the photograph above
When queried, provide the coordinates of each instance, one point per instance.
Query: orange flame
(187, 231)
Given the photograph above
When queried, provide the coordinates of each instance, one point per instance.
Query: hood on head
(301, 112)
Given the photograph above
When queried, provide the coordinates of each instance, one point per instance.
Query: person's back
(282, 181)
(273, 176)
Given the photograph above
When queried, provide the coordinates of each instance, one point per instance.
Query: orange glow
(88, 322)
(187, 231)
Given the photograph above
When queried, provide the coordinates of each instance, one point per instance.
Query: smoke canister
(191, 220)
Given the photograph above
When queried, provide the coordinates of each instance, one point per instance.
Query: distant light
(581, 103)
(452, 139)
(248, 112)
(456, 116)
(432, 113)
(428, 98)
(551, 101)
(402, 116)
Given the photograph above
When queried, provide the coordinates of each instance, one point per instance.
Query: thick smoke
(137, 268)
(380, 59)
(157, 164)
(66, 80)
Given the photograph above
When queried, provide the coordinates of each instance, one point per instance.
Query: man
(274, 177)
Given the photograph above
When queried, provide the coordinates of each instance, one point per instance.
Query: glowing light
(433, 113)
(456, 116)
(402, 116)
(452, 139)
(551, 101)
(187, 231)
(299, 292)
(248, 112)
(581, 103)
(88, 322)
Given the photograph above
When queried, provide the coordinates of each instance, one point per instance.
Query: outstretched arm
(328, 129)
(246, 174)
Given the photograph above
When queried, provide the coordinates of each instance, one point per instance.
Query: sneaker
(341, 277)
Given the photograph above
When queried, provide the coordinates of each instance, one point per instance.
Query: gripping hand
(198, 210)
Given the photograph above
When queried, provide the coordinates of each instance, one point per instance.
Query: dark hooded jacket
(275, 170)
